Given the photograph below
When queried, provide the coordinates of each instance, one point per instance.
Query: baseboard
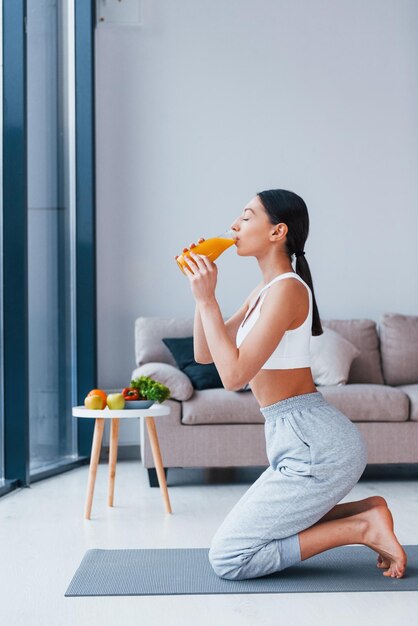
(125, 453)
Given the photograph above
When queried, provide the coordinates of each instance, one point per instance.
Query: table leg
(94, 460)
(113, 453)
(156, 453)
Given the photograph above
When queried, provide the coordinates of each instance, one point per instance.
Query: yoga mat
(188, 571)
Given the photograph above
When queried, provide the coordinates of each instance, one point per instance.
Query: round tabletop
(153, 411)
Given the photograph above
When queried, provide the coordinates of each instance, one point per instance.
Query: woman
(316, 453)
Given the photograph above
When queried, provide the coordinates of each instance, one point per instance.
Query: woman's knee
(224, 565)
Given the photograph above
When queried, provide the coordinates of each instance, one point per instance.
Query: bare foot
(346, 509)
(365, 505)
(370, 503)
(379, 536)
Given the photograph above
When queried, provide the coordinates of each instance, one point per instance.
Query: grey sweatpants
(316, 456)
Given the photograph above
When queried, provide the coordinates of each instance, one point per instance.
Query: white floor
(44, 536)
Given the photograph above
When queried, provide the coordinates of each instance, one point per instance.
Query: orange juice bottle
(212, 248)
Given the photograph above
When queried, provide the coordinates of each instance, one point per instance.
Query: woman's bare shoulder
(254, 293)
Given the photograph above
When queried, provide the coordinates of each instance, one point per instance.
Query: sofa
(216, 427)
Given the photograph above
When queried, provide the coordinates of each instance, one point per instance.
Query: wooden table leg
(94, 460)
(156, 453)
(113, 453)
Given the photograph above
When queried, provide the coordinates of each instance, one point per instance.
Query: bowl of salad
(143, 392)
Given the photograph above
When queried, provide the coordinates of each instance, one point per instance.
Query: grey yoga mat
(188, 571)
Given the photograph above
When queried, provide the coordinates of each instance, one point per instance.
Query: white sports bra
(293, 350)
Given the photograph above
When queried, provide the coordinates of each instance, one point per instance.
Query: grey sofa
(222, 428)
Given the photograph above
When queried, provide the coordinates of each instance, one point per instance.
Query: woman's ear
(280, 230)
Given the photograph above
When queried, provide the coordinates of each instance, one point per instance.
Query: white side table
(100, 415)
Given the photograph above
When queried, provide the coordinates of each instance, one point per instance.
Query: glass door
(50, 82)
(1, 256)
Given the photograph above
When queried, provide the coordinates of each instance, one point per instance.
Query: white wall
(211, 101)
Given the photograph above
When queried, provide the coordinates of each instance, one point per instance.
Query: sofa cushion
(149, 332)
(201, 376)
(221, 406)
(362, 333)
(399, 348)
(360, 402)
(179, 384)
(412, 393)
(331, 358)
(369, 403)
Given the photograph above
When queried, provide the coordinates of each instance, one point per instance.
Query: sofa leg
(153, 478)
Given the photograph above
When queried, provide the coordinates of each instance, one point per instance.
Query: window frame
(15, 237)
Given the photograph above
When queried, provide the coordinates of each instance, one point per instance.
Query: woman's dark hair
(285, 206)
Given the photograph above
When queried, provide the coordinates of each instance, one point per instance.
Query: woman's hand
(192, 245)
(203, 275)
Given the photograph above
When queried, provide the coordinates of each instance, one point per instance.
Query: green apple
(115, 401)
(93, 402)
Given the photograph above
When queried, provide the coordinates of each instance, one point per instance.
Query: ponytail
(287, 207)
(302, 269)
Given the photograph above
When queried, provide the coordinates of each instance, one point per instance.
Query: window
(1, 256)
(47, 217)
(51, 232)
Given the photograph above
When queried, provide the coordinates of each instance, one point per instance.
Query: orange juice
(212, 248)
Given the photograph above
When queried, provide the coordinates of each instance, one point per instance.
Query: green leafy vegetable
(151, 389)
